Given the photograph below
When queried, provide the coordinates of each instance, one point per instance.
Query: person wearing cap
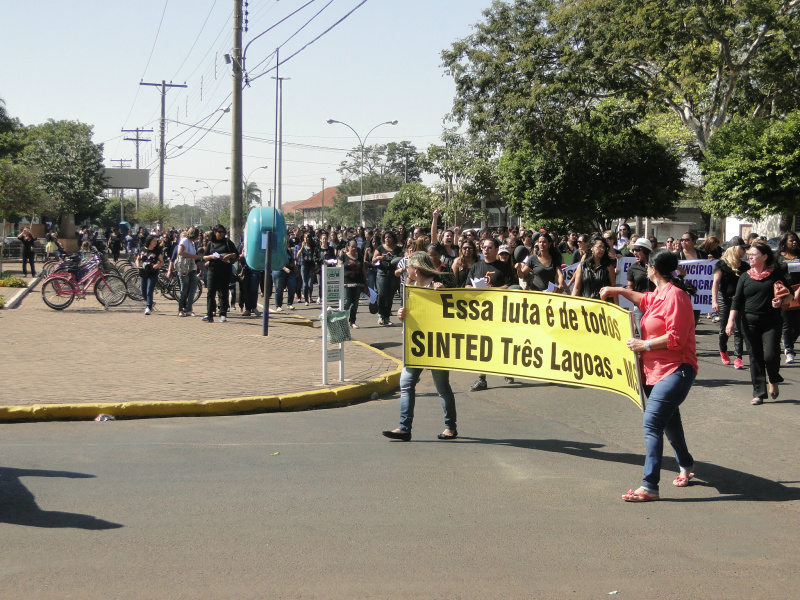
(422, 273)
(638, 281)
(788, 259)
(727, 272)
(543, 267)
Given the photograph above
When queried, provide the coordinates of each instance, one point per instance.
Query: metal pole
(322, 206)
(236, 126)
(267, 273)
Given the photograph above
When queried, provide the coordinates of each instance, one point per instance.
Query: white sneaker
(789, 358)
(223, 319)
(147, 311)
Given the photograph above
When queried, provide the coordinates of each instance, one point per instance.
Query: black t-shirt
(389, 256)
(496, 274)
(540, 275)
(353, 270)
(755, 297)
(222, 247)
(637, 273)
(148, 259)
(27, 244)
(784, 262)
(730, 277)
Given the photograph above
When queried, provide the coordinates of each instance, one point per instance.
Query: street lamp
(194, 198)
(184, 202)
(211, 189)
(361, 174)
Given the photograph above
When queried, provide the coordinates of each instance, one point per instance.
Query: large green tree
(412, 206)
(588, 173)
(752, 168)
(532, 62)
(69, 166)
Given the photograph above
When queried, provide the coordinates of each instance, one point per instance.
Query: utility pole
(163, 145)
(121, 191)
(236, 126)
(137, 140)
(322, 205)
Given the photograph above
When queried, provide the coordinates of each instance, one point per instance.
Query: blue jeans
(148, 286)
(188, 285)
(281, 280)
(408, 385)
(662, 416)
(307, 274)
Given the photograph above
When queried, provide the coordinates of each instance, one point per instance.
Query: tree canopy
(412, 206)
(68, 165)
(752, 168)
(584, 174)
(532, 62)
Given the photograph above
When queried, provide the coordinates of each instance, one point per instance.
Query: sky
(84, 61)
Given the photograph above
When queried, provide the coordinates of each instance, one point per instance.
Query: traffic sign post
(333, 285)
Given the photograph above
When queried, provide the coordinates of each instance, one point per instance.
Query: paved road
(525, 504)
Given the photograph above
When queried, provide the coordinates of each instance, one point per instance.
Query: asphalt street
(317, 504)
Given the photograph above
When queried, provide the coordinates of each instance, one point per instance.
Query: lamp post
(361, 170)
(211, 189)
(184, 202)
(194, 197)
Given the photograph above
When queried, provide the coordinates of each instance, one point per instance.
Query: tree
(397, 160)
(601, 168)
(534, 62)
(151, 213)
(69, 166)
(412, 206)
(111, 214)
(216, 209)
(19, 192)
(10, 128)
(251, 194)
(467, 169)
(752, 168)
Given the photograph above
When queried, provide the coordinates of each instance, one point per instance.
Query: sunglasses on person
(686, 239)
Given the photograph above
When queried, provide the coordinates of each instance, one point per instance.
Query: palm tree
(251, 193)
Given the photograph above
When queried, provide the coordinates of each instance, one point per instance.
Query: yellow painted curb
(335, 396)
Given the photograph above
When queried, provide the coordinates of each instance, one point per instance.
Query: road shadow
(18, 505)
(730, 483)
(385, 345)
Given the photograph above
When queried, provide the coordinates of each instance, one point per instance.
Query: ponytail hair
(666, 263)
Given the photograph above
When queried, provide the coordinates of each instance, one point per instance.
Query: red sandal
(639, 496)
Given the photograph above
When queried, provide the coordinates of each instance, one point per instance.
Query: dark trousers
(248, 289)
(217, 286)
(791, 329)
(763, 336)
(28, 258)
(724, 312)
(388, 285)
(351, 297)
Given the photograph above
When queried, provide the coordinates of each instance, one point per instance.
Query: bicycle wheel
(167, 287)
(49, 266)
(58, 293)
(133, 286)
(198, 290)
(110, 291)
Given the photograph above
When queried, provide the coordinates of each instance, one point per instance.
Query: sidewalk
(83, 361)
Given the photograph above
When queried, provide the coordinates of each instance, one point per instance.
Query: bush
(11, 281)
(2, 301)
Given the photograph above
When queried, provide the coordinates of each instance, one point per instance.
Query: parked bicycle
(169, 288)
(61, 288)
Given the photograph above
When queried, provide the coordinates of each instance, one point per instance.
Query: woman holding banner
(755, 301)
(422, 273)
(669, 357)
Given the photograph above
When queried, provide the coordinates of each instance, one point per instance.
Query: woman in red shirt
(669, 358)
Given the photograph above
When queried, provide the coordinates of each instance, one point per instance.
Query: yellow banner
(517, 333)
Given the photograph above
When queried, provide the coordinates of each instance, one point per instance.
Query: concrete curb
(329, 397)
(11, 304)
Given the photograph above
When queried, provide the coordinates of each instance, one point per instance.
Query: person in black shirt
(788, 259)
(761, 319)
(219, 256)
(726, 277)
(495, 274)
(27, 239)
(638, 281)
